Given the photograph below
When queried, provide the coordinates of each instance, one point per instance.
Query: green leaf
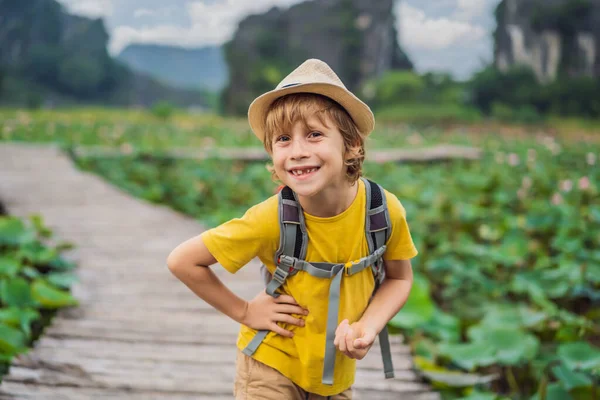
(595, 213)
(457, 378)
(593, 272)
(9, 266)
(476, 395)
(554, 391)
(51, 297)
(19, 318)
(36, 253)
(30, 272)
(425, 348)
(514, 248)
(443, 326)
(419, 308)
(62, 279)
(12, 341)
(468, 355)
(571, 379)
(509, 346)
(61, 264)
(511, 350)
(14, 232)
(15, 292)
(530, 317)
(512, 316)
(579, 356)
(444, 378)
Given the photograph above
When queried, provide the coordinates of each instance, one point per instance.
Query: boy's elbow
(189, 255)
(174, 262)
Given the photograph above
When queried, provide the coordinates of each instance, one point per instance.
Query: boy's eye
(282, 138)
(315, 133)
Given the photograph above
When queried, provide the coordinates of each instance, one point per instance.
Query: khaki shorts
(255, 380)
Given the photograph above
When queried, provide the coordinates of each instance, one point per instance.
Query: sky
(453, 36)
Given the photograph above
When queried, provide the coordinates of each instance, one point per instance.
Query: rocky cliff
(64, 57)
(553, 37)
(357, 38)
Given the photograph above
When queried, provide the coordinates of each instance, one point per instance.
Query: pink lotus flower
(513, 159)
(566, 185)
(556, 199)
(584, 183)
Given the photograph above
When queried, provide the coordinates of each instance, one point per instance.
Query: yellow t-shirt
(337, 239)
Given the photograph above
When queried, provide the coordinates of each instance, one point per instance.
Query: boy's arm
(391, 295)
(190, 262)
(355, 340)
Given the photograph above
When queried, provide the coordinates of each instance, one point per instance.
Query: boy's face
(309, 161)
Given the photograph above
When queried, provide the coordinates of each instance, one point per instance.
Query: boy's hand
(264, 311)
(354, 340)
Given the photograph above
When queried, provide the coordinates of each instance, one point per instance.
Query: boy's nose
(299, 149)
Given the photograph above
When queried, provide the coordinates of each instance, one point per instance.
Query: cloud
(158, 12)
(211, 24)
(467, 10)
(418, 32)
(90, 8)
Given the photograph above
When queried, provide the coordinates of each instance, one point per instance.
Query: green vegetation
(505, 301)
(514, 97)
(518, 91)
(163, 110)
(34, 282)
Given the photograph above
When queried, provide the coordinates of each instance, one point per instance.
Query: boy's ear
(353, 152)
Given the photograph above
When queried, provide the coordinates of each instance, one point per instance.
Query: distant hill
(50, 57)
(187, 68)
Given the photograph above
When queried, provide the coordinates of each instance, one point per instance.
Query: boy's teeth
(298, 172)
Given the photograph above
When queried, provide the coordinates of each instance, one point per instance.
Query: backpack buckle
(280, 275)
(348, 268)
(286, 263)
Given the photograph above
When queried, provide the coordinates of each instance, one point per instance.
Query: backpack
(290, 258)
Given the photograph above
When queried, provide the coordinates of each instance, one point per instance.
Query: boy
(314, 130)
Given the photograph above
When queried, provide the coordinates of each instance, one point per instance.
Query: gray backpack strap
(293, 241)
(377, 230)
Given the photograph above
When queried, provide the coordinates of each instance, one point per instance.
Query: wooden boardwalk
(138, 333)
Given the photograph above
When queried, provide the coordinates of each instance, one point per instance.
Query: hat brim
(360, 112)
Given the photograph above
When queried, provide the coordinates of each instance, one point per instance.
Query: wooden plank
(365, 394)
(21, 391)
(49, 347)
(24, 391)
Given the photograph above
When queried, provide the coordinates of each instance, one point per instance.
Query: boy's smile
(304, 172)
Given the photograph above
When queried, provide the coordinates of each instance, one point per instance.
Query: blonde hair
(289, 109)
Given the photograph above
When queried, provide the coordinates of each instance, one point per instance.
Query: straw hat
(312, 76)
